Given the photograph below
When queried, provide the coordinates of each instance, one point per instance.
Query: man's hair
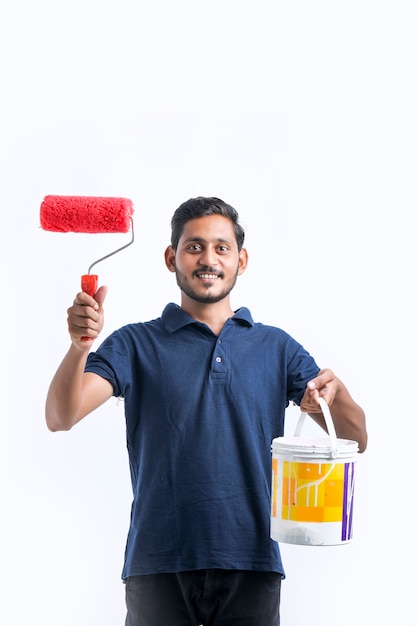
(200, 207)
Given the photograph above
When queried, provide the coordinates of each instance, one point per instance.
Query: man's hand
(85, 318)
(325, 385)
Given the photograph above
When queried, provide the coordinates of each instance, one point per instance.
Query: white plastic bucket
(312, 490)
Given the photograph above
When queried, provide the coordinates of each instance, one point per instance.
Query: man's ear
(243, 261)
(170, 258)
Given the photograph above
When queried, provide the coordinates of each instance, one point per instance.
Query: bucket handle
(329, 424)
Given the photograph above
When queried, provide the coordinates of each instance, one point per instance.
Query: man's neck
(214, 315)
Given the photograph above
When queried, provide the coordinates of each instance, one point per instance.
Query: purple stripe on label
(348, 492)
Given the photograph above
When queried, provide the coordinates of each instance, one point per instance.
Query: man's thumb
(101, 294)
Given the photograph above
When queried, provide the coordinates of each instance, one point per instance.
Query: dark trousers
(211, 597)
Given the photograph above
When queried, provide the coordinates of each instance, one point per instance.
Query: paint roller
(88, 214)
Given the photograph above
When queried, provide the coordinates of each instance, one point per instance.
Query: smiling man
(207, 258)
(205, 390)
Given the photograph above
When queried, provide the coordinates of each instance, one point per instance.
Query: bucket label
(314, 493)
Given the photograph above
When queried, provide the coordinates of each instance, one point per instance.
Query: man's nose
(208, 257)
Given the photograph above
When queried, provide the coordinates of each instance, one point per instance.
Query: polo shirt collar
(174, 318)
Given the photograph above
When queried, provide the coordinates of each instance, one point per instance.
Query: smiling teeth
(208, 276)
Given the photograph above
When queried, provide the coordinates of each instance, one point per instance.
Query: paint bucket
(312, 488)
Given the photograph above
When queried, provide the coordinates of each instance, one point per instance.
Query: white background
(302, 115)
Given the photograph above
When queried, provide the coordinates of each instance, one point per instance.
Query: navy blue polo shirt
(201, 412)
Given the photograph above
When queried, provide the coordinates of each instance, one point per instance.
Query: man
(205, 391)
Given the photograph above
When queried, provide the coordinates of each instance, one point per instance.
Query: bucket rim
(313, 446)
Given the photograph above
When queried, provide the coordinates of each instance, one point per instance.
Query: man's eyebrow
(202, 240)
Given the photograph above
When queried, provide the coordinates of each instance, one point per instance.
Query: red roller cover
(86, 214)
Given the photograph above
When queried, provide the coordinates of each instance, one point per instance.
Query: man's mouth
(207, 276)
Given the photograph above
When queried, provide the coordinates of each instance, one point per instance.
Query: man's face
(207, 261)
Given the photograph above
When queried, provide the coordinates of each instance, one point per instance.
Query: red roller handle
(89, 284)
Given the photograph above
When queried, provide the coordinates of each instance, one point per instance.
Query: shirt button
(218, 359)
